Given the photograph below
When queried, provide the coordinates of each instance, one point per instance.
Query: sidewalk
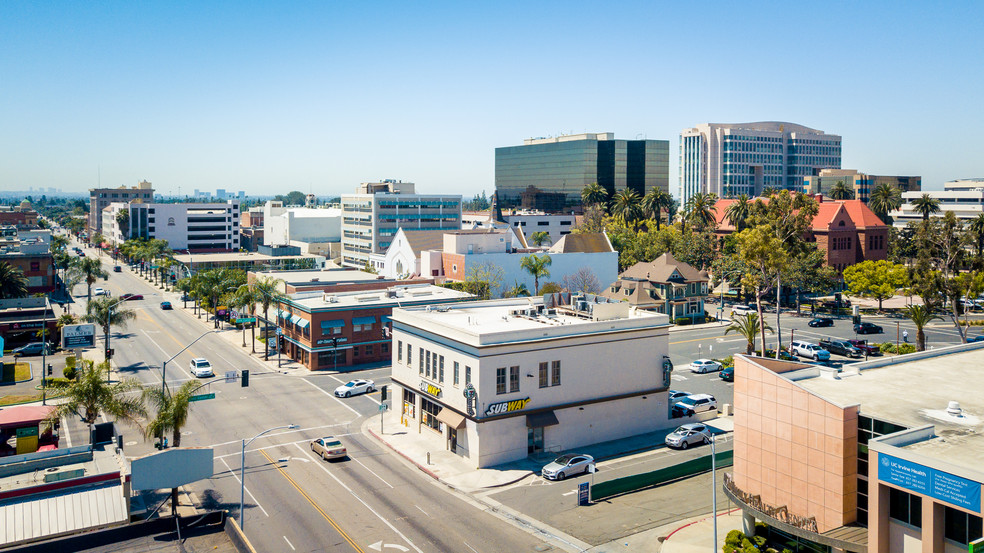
(686, 536)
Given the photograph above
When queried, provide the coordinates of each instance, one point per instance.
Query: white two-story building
(501, 380)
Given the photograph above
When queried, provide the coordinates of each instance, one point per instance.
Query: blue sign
(583, 493)
(927, 481)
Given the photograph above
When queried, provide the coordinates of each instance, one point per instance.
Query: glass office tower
(549, 173)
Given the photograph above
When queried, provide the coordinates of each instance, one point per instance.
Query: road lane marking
(283, 444)
(373, 511)
(236, 476)
(470, 547)
(284, 432)
(572, 492)
(331, 396)
(68, 435)
(373, 473)
(290, 544)
(344, 381)
(696, 340)
(314, 504)
(421, 510)
(167, 354)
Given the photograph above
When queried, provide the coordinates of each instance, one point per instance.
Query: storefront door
(534, 440)
(453, 439)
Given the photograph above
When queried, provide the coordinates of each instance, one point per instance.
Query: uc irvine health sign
(927, 481)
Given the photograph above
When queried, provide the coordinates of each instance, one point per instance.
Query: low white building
(501, 380)
(187, 226)
(314, 230)
(526, 221)
(965, 198)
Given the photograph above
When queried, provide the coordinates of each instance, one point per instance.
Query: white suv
(806, 349)
(739, 310)
(696, 403)
(201, 367)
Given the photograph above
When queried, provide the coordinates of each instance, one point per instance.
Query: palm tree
(541, 236)
(976, 229)
(172, 410)
(926, 205)
(91, 269)
(594, 193)
(13, 283)
(700, 210)
(841, 191)
(920, 316)
(266, 287)
(748, 326)
(737, 213)
(88, 395)
(884, 199)
(517, 291)
(627, 204)
(654, 203)
(536, 266)
(107, 313)
(244, 299)
(183, 285)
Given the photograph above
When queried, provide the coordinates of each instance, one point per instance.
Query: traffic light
(109, 353)
(244, 383)
(51, 370)
(856, 319)
(382, 393)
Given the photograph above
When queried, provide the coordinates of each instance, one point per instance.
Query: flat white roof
(412, 293)
(331, 276)
(37, 517)
(235, 256)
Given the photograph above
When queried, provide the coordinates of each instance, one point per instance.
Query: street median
(626, 484)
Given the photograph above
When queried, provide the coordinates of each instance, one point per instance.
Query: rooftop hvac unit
(443, 308)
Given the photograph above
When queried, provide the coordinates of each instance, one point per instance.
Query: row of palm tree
(155, 252)
(629, 204)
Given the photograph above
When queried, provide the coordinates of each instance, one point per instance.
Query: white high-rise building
(745, 158)
(965, 198)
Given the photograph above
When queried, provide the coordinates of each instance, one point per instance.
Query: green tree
(13, 283)
(764, 257)
(738, 212)
(841, 191)
(541, 237)
(123, 220)
(484, 280)
(517, 291)
(91, 270)
(884, 199)
(537, 267)
(550, 288)
(926, 205)
(748, 325)
(699, 212)
(627, 204)
(171, 410)
(108, 312)
(268, 294)
(593, 194)
(976, 229)
(88, 395)
(920, 316)
(244, 299)
(184, 286)
(878, 280)
(695, 248)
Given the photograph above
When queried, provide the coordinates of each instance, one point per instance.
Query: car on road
(80, 253)
(34, 348)
(865, 347)
(868, 328)
(675, 395)
(727, 374)
(687, 435)
(100, 292)
(806, 349)
(166, 305)
(134, 297)
(200, 367)
(117, 269)
(840, 347)
(571, 464)
(818, 322)
(697, 403)
(329, 448)
(979, 338)
(701, 366)
(742, 309)
(354, 387)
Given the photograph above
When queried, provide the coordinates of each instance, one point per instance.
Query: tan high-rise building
(100, 198)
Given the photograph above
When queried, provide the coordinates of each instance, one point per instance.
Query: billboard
(78, 336)
(929, 481)
(171, 468)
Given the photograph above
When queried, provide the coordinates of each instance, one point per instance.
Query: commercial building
(30, 251)
(336, 330)
(205, 227)
(877, 457)
(746, 158)
(965, 198)
(247, 261)
(314, 230)
(371, 217)
(333, 281)
(501, 380)
(23, 216)
(527, 221)
(862, 183)
(551, 172)
(22, 318)
(253, 217)
(100, 198)
(664, 285)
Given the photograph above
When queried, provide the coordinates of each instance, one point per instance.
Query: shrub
(69, 372)
(728, 361)
(906, 348)
(70, 361)
(759, 541)
(734, 538)
(682, 321)
(700, 320)
(887, 347)
(761, 529)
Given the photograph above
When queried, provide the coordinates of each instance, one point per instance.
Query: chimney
(819, 198)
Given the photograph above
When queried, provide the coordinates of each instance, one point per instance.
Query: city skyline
(321, 98)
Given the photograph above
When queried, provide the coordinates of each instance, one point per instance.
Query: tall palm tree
(700, 210)
(244, 299)
(91, 268)
(748, 326)
(269, 295)
(920, 316)
(884, 199)
(654, 203)
(108, 312)
(627, 204)
(841, 191)
(183, 285)
(517, 291)
(536, 266)
(171, 410)
(976, 229)
(541, 236)
(13, 283)
(594, 193)
(738, 212)
(88, 395)
(926, 205)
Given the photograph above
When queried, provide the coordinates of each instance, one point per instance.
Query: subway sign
(504, 407)
(430, 389)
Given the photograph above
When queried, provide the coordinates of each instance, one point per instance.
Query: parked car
(200, 367)
(134, 297)
(979, 338)
(100, 292)
(166, 305)
(697, 403)
(868, 328)
(840, 347)
(329, 447)
(675, 396)
(818, 322)
(806, 349)
(741, 309)
(688, 435)
(117, 269)
(355, 387)
(34, 348)
(567, 465)
(704, 366)
(865, 347)
(727, 374)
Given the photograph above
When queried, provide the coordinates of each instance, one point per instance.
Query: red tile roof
(859, 213)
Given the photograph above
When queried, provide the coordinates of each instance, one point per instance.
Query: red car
(865, 347)
(128, 297)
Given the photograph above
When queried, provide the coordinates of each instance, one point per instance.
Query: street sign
(383, 407)
(246, 320)
(271, 343)
(583, 493)
(230, 376)
(79, 336)
(279, 331)
(202, 397)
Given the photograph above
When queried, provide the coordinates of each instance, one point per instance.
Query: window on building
(500, 380)
(355, 351)
(385, 348)
(905, 507)
(544, 375)
(513, 379)
(961, 527)
(427, 371)
(368, 349)
(35, 265)
(440, 369)
(556, 373)
(467, 375)
(455, 376)
(543, 223)
(399, 351)
(421, 350)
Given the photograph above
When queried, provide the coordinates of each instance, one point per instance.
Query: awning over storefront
(303, 323)
(363, 320)
(336, 323)
(295, 319)
(539, 420)
(451, 418)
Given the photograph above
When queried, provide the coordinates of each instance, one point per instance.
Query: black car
(868, 328)
(821, 321)
(840, 347)
(117, 269)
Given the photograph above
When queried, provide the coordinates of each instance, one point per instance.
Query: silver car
(688, 435)
(329, 448)
(567, 465)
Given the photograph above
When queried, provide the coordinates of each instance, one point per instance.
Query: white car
(738, 310)
(355, 387)
(701, 366)
(688, 435)
(806, 349)
(200, 367)
(567, 465)
(100, 292)
(697, 403)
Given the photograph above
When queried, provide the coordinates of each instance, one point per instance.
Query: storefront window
(428, 413)
(905, 507)
(331, 358)
(409, 404)
(961, 527)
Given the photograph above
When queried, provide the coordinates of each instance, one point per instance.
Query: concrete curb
(420, 467)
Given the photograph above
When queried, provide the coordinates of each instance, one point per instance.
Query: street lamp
(714, 492)
(242, 468)
(109, 332)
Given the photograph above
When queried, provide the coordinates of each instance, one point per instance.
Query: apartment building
(862, 183)
(100, 198)
(206, 227)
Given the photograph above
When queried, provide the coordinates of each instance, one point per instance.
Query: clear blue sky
(268, 97)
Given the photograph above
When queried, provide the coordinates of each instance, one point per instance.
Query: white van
(740, 310)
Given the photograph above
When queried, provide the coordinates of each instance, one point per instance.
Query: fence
(635, 482)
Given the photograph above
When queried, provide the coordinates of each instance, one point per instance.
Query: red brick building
(20, 219)
(847, 231)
